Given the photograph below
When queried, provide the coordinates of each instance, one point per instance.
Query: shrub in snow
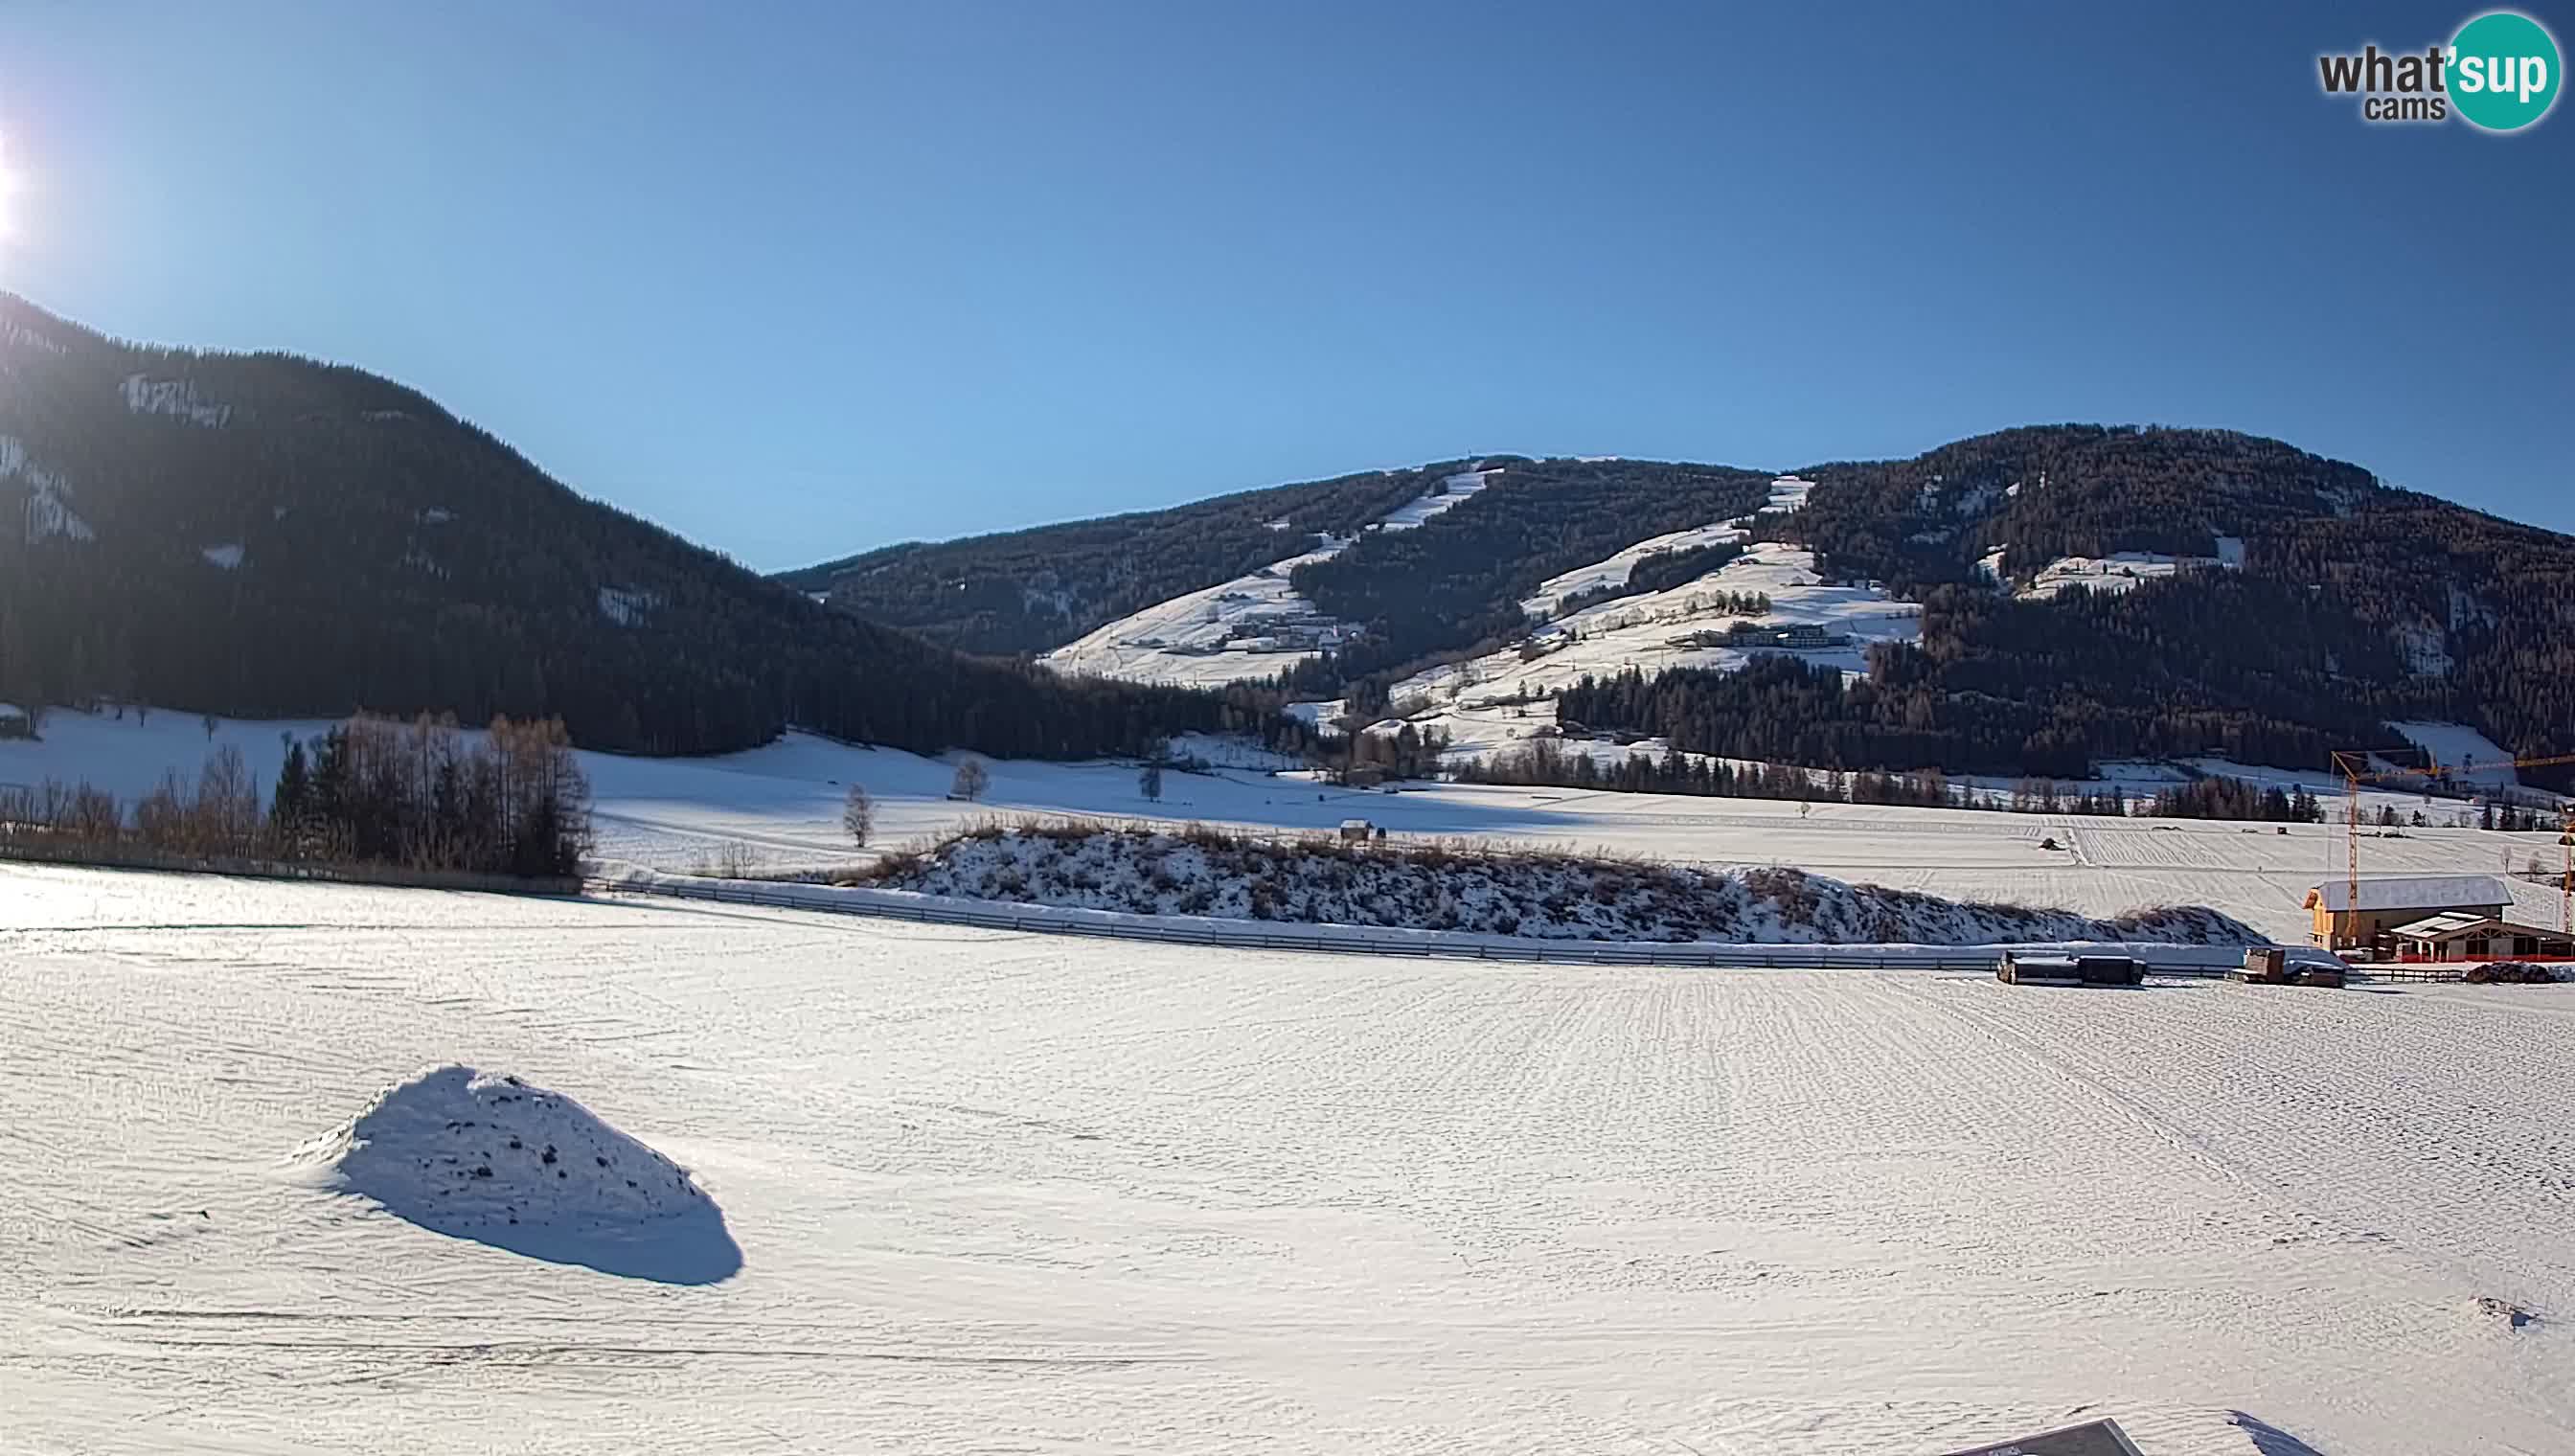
(2517, 972)
(1478, 888)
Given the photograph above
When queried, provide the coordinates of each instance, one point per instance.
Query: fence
(1341, 939)
(2203, 962)
(38, 850)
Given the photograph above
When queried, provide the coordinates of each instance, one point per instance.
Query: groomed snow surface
(1002, 1192)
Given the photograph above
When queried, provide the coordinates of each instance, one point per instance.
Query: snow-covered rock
(489, 1158)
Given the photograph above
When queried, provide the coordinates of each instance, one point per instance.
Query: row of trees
(1551, 762)
(373, 790)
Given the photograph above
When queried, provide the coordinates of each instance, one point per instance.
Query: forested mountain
(265, 536)
(1445, 584)
(1024, 591)
(2300, 603)
(1453, 584)
(2314, 604)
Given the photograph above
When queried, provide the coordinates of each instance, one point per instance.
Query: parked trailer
(2087, 970)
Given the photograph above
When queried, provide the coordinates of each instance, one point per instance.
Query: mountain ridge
(2370, 602)
(262, 536)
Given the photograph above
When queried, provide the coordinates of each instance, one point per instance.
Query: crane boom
(2357, 766)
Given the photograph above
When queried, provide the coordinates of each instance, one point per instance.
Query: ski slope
(1002, 1193)
(1255, 625)
(1483, 703)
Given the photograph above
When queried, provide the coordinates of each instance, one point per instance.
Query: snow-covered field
(2120, 572)
(779, 807)
(1002, 1193)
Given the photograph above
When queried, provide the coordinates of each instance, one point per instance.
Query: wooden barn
(2387, 901)
(2460, 935)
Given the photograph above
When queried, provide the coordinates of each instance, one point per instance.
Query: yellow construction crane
(2355, 765)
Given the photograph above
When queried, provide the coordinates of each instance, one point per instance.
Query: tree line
(418, 795)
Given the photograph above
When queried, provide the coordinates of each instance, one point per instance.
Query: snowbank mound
(490, 1158)
(1488, 891)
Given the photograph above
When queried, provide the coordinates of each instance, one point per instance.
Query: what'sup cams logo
(2500, 73)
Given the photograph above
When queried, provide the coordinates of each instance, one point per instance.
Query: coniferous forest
(261, 536)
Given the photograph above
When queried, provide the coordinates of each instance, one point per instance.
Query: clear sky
(799, 279)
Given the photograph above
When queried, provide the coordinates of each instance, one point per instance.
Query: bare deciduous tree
(858, 815)
(972, 780)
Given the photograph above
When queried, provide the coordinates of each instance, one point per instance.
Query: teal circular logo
(2504, 72)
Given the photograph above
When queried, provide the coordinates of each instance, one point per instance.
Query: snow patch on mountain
(2426, 649)
(19, 336)
(227, 556)
(627, 605)
(2117, 572)
(1502, 695)
(1453, 491)
(1613, 569)
(49, 513)
(2469, 755)
(1787, 494)
(177, 398)
(1255, 625)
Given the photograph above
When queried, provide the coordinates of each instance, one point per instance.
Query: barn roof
(2457, 923)
(2412, 893)
(2433, 928)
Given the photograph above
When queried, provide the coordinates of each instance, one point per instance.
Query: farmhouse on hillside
(2460, 935)
(15, 722)
(2387, 903)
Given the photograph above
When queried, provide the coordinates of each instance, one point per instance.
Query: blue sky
(796, 280)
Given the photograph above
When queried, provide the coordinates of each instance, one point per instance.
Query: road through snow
(1009, 1193)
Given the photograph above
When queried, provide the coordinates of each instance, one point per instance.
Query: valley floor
(1005, 1193)
(779, 807)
